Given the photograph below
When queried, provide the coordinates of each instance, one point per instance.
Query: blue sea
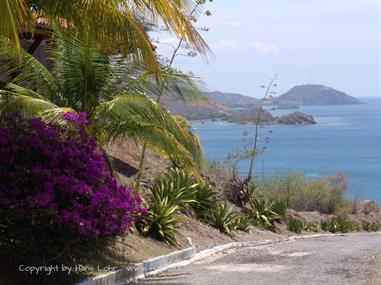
(345, 139)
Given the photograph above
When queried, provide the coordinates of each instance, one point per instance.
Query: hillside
(197, 111)
(232, 100)
(218, 106)
(311, 94)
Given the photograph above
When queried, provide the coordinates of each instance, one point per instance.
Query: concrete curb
(179, 258)
(137, 271)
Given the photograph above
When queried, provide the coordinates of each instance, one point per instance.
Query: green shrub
(279, 207)
(338, 224)
(223, 218)
(310, 227)
(173, 192)
(205, 199)
(261, 213)
(303, 194)
(177, 186)
(242, 223)
(295, 225)
(162, 220)
(370, 227)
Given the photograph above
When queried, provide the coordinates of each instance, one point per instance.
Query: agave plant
(310, 227)
(177, 187)
(279, 207)
(162, 219)
(295, 225)
(242, 223)
(338, 224)
(370, 226)
(223, 218)
(205, 198)
(108, 89)
(261, 213)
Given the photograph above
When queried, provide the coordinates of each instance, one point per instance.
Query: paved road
(349, 259)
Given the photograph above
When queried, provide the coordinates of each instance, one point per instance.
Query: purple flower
(52, 176)
(78, 119)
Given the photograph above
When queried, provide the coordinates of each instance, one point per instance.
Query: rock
(296, 118)
(367, 207)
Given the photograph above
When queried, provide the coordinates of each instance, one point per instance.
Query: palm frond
(139, 117)
(110, 23)
(174, 83)
(56, 115)
(25, 69)
(191, 142)
(184, 86)
(113, 24)
(174, 15)
(14, 98)
(12, 16)
(82, 70)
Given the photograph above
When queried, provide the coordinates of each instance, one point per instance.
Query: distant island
(231, 100)
(215, 111)
(313, 94)
(250, 116)
(238, 108)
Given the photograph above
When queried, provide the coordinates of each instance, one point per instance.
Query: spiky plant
(205, 198)
(177, 187)
(171, 193)
(310, 227)
(242, 223)
(223, 217)
(338, 224)
(295, 225)
(261, 212)
(279, 207)
(370, 226)
(162, 219)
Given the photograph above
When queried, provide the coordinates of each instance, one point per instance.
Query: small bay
(345, 139)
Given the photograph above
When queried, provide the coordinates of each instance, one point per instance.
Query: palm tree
(163, 85)
(109, 89)
(119, 25)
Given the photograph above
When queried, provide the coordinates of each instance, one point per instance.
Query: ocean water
(345, 139)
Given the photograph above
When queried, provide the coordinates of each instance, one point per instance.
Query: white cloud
(262, 49)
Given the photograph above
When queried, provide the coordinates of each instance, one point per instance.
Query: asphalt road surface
(349, 259)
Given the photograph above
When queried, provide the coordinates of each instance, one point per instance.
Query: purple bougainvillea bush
(55, 184)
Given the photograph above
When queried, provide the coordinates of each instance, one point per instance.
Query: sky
(331, 42)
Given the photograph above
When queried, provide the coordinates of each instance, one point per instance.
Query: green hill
(311, 94)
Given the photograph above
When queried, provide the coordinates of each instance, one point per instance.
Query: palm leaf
(24, 68)
(174, 83)
(113, 24)
(82, 70)
(14, 98)
(29, 104)
(174, 15)
(12, 16)
(139, 117)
